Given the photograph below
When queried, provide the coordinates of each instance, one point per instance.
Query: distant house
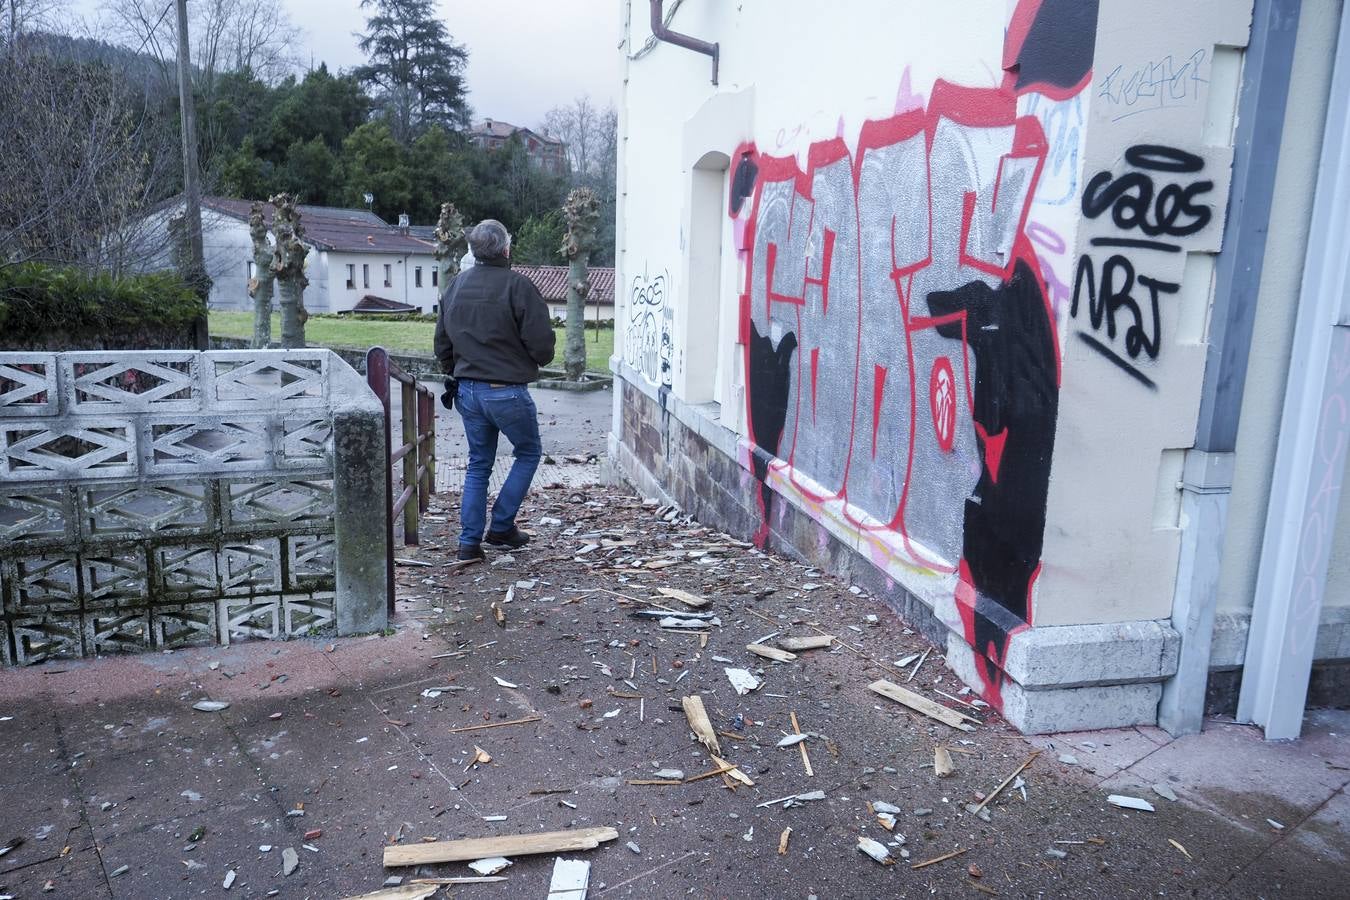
(552, 284)
(546, 153)
(355, 257)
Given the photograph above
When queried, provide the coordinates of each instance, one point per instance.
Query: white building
(1027, 316)
(354, 256)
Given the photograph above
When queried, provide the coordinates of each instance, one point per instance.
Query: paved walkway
(119, 788)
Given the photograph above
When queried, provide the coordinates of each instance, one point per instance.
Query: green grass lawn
(410, 336)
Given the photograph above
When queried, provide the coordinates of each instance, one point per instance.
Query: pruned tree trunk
(260, 285)
(581, 213)
(450, 243)
(288, 265)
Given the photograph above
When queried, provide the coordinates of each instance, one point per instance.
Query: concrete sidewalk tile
(1273, 780)
(28, 744)
(44, 811)
(99, 729)
(77, 874)
(1326, 833)
(160, 784)
(1099, 753)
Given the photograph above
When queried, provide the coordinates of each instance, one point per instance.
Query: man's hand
(448, 396)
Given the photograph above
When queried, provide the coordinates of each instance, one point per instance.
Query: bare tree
(580, 212)
(82, 160)
(260, 285)
(25, 16)
(288, 264)
(574, 125)
(226, 35)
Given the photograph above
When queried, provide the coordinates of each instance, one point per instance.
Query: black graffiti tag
(1137, 206)
(1131, 197)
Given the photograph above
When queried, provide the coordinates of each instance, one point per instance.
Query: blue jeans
(488, 412)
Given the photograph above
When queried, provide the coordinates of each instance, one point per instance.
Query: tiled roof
(331, 228)
(371, 303)
(552, 282)
(498, 129)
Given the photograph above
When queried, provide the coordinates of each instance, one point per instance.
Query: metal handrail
(416, 453)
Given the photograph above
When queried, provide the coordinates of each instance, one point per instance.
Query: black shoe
(470, 551)
(515, 538)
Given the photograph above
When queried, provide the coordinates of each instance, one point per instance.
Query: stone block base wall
(1058, 678)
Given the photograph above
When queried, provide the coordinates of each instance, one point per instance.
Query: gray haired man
(493, 334)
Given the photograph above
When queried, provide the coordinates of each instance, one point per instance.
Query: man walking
(492, 335)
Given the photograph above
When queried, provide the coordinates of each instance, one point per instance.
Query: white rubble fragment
(230, 876)
(670, 774)
(882, 806)
(1068, 759)
(793, 740)
(742, 680)
(571, 879)
(1278, 826)
(876, 850)
(489, 866)
(503, 682)
(210, 705)
(290, 861)
(1165, 792)
(635, 848)
(1130, 802)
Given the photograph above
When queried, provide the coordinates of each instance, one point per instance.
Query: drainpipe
(1207, 479)
(662, 33)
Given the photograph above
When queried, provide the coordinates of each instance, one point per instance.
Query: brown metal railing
(416, 453)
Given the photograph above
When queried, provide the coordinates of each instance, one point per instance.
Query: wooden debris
(571, 879)
(817, 642)
(462, 879)
(508, 846)
(416, 890)
(700, 724)
(648, 782)
(1181, 848)
(772, 653)
(480, 756)
(734, 772)
(919, 665)
(684, 597)
(523, 721)
(783, 841)
(937, 859)
(723, 768)
(461, 564)
(498, 614)
(1007, 781)
(920, 704)
(942, 762)
(806, 760)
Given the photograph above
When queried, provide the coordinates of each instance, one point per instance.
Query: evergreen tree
(415, 70)
(374, 163)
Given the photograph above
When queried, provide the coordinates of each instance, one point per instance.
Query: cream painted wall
(807, 73)
(1112, 535)
(1263, 398)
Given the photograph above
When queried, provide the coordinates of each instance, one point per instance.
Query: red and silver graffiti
(900, 348)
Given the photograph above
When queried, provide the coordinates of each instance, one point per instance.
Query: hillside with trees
(97, 142)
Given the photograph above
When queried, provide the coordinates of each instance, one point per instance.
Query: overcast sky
(525, 56)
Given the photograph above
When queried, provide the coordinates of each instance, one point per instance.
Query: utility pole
(192, 191)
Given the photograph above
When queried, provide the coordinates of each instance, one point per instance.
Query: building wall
(943, 275)
(1269, 359)
(403, 272)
